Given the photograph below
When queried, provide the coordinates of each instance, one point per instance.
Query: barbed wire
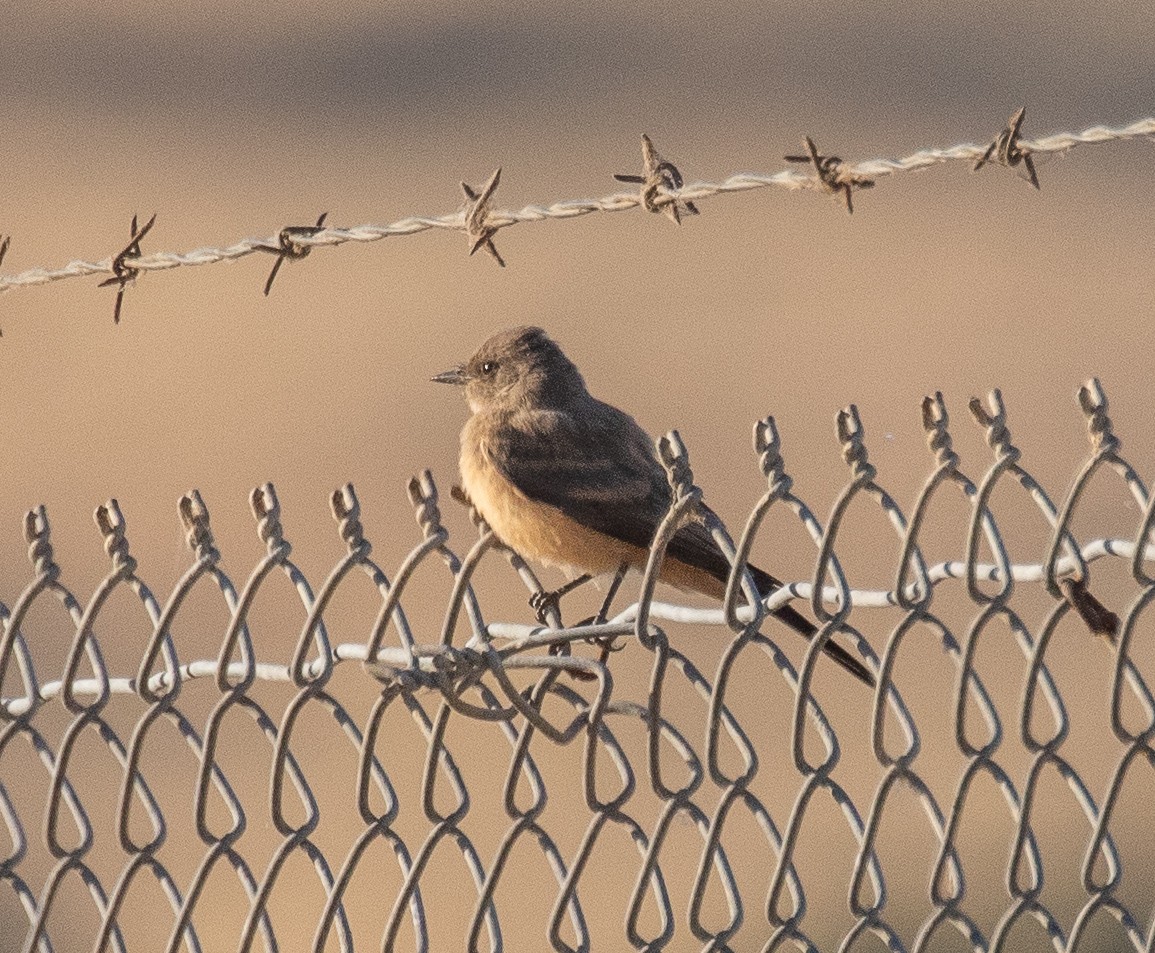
(473, 671)
(662, 190)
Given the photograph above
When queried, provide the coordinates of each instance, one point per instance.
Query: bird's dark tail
(799, 623)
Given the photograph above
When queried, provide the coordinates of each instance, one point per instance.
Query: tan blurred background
(233, 119)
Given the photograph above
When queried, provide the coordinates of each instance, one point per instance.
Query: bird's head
(516, 369)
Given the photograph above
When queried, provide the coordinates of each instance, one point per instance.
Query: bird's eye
(489, 367)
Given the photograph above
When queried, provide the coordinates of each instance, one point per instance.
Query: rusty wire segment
(659, 178)
(833, 175)
(1009, 150)
(468, 673)
(124, 266)
(662, 190)
(478, 229)
(289, 248)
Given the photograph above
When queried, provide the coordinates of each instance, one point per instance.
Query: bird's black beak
(454, 376)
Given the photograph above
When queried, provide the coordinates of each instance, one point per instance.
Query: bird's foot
(543, 602)
(562, 648)
(607, 644)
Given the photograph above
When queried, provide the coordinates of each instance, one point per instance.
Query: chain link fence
(668, 779)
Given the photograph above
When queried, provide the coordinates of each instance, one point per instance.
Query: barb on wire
(125, 267)
(664, 196)
(1008, 150)
(288, 248)
(659, 179)
(833, 175)
(478, 228)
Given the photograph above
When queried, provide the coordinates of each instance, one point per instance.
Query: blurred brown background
(232, 119)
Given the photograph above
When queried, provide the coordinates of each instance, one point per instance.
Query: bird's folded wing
(606, 478)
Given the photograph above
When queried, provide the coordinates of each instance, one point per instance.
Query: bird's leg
(542, 602)
(608, 644)
(604, 611)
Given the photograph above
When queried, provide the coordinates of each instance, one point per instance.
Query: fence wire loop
(195, 517)
(39, 538)
(684, 500)
(110, 521)
(267, 510)
(595, 758)
(1093, 401)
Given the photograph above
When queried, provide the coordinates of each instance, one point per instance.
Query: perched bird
(570, 481)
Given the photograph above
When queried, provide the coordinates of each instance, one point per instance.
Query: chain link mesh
(511, 786)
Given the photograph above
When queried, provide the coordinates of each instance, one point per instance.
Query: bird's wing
(601, 471)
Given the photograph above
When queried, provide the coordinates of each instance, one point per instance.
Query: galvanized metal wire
(662, 189)
(540, 695)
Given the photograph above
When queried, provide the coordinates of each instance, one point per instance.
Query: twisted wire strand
(570, 208)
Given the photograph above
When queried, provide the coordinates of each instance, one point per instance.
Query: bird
(568, 480)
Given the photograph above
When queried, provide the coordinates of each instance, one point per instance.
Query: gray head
(518, 368)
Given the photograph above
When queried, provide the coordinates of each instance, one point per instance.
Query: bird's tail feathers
(803, 626)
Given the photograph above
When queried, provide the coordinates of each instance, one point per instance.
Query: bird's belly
(539, 531)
